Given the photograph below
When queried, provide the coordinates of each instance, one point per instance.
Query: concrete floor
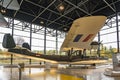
(41, 74)
(89, 74)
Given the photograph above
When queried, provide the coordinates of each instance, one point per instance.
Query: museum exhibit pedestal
(115, 71)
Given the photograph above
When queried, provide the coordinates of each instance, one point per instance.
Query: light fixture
(61, 7)
(65, 29)
(3, 11)
(41, 22)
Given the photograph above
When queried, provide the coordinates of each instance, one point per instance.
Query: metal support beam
(117, 29)
(30, 60)
(104, 7)
(39, 17)
(68, 11)
(20, 73)
(30, 40)
(56, 42)
(45, 40)
(46, 9)
(77, 7)
(12, 27)
(30, 36)
(18, 10)
(7, 4)
(43, 11)
(95, 6)
(11, 60)
(109, 5)
(98, 51)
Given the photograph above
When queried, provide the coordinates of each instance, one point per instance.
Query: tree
(111, 50)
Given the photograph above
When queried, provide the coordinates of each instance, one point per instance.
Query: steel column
(117, 29)
(30, 40)
(30, 36)
(98, 52)
(56, 42)
(11, 60)
(45, 40)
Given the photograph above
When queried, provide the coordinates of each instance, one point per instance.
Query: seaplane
(79, 37)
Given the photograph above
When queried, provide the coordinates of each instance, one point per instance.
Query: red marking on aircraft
(88, 37)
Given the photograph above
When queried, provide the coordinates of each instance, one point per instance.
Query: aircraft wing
(82, 32)
(23, 52)
(49, 58)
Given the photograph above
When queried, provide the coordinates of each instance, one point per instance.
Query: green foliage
(107, 52)
(104, 51)
(50, 52)
(37, 51)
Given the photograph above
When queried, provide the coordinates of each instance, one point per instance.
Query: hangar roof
(49, 14)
